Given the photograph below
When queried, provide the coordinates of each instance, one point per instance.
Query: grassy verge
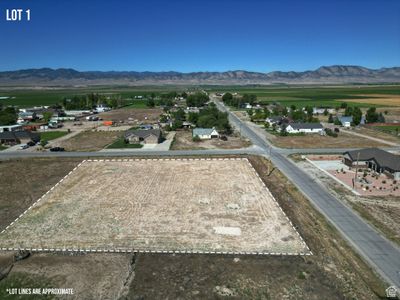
(51, 135)
(120, 143)
(2, 147)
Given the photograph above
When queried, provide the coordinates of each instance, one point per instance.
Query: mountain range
(337, 74)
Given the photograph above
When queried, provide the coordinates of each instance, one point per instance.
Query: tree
(357, 115)
(292, 107)
(343, 105)
(348, 111)
(151, 102)
(196, 100)
(47, 116)
(371, 116)
(8, 116)
(227, 97)
(381, 118)
(283, 131)
(196, 138)
(326, 112)
(330, 118)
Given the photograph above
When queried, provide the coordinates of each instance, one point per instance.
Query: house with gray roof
(18, 137)
(376, 159)
(205, 133)
(150, 136)
(304, 128)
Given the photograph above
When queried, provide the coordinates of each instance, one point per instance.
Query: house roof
(15, 135)
(383, 158)
(203, 131)
(344, 119)
(306, 125)
(143, 133)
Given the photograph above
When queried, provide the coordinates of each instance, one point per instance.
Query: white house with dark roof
(205, 133)
(304, 128)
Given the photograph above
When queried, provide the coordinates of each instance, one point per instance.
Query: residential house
(305, 128)
(15, 127)
(18, 137)
(376, 159)
(321, 110)
(149, 136)
(26, 116)
(205, 133)
(278, 120)
(346, 121)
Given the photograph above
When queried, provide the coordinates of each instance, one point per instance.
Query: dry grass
(139, 115)
(90, 140)
(183, 141)
(317, 141)
(390, 100)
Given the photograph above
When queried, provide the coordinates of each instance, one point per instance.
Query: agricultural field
(322, 96)
(37, 97)
(206, 205)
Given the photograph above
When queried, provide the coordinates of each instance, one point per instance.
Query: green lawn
(2, 147)
(137, 104)
(120, 143)
(51, 135)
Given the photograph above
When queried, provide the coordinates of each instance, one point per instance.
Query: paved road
(127, 153)
(381, 253)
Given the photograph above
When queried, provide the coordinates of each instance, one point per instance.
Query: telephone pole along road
(381, 253)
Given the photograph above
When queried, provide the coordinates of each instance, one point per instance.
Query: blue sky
(206, 35)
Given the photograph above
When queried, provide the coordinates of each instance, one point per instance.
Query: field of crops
(312, 95)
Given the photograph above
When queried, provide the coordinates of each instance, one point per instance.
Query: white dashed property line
(156, 251)
(277, 204)
(41, 198)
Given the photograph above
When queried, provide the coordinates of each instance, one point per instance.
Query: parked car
(57, 149)
(31, 144)
(23, 146)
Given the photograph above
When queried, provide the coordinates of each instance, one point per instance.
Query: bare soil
(184, 141)
(317, 141)
(333, 272)
(90, 140)
(134, 115)
(195, 205)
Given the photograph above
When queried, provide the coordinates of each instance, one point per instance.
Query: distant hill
(338, 74)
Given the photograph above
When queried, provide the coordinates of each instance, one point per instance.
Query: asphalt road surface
(381, 253)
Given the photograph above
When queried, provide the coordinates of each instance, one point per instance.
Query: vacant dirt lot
(333, 272)
(317, 141)
(90, 140)
(133, 115)
(184, 141)
(200, 205)
(24, 181)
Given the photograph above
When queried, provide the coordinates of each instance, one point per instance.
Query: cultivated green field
(321, 96)
(298, 95)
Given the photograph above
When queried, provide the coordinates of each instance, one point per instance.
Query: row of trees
(90, 101)
(230, 100)
(197, 99)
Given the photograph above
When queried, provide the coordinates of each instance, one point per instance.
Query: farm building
(149, 136)
(374, 158)
(205, 133)
(18, 137)
(304, 128)
(10, 128)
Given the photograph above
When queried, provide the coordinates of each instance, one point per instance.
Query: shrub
(196, 138)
